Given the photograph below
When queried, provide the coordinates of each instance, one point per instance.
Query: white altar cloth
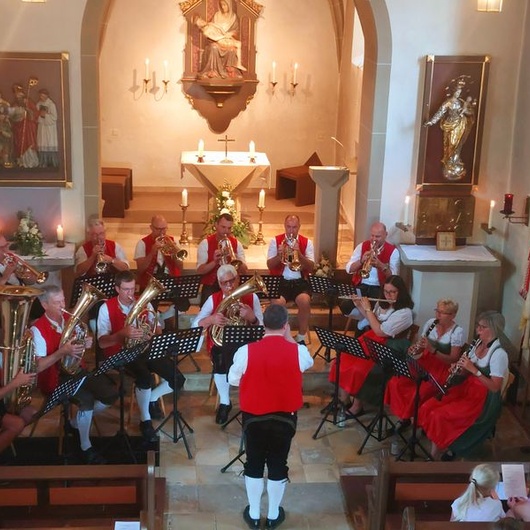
(429, 253)
(212, 173)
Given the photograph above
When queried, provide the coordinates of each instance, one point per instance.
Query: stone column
(329, 180)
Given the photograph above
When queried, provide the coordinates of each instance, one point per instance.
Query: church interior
(332, 117)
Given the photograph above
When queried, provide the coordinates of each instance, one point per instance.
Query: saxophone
(75, 328)
(16, 344)
(139, 314)
(229, 306)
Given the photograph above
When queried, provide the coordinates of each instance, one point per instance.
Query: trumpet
(368, 264)
(23, 271)
(101, 266)
(171, 249)
(290, 255)
(228, 256)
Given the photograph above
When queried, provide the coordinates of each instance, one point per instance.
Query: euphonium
(368, 264)
(25, 272)
(75, 328)
(228, 256)
(229, 306)
(16, 344)
(170, 248)
(290, 256)
(139, 313)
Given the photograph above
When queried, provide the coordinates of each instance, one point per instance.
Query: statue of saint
(457, 117)
(222, 54)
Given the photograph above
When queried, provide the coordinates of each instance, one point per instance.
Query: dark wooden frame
(51, 72)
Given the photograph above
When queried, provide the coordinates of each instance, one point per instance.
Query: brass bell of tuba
(228, 256)
(75, 328)
(139, 313)
(23, 271)
(229, 306)
(16, 343)
(171, 249)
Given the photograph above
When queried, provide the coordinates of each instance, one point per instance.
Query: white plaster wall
(149, 134)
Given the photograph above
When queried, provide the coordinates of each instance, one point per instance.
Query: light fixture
(35, 1)
(508, 212)
(491, 6)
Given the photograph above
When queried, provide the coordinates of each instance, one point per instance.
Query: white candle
(407, 201)
(146, 68)
(295, 70)
(273, 77)
(200, 148)
(184, 198)
(261, 199)
(60, 234)
(166, 70)
(252, 148)
(490, 218)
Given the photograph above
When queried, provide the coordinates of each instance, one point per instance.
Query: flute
(353, 298)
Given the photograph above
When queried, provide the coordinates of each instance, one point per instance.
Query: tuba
(228, 256)
(16, 343)
(367, 265)
(229, 306)
(171, 249)
(139, 313)
(290, 256)
(25, 272)
(75, 328)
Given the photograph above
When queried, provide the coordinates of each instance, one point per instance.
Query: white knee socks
(254, 491)
(275, 490)
(143, 396)
(84, 420)
(223, 388)
(161, 390)
(98, 406)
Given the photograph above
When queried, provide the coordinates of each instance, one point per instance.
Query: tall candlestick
(146, 68)
(490, 218)
(184, 201)
(407, 201)
(252, 149)
(261, 199)
(295, 70)
(508, 204)
(273, 76)
(60, 236)
(166, 70)
(200, 148)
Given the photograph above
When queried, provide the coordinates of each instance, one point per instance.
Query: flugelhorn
(368, 264)
(228, 256)
(171, 249)
(23, 271)
(290, 256)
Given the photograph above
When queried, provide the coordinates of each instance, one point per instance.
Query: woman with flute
(467, 413)
(440, 346)
(388, 320)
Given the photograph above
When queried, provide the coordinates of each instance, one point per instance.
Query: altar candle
(184, 201)
(166, 70)
(261, 199)
(200, 149)
(60, 234)
(273, 77)
(407, 201)
(252, 148)
(146, 68)
(295, 70)
(508, 203)
(490, 218)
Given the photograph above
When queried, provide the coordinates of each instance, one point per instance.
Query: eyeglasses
(482, 326)
(442, 312)
(390, 292)
(227, 282)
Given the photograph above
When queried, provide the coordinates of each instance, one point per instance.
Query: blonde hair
(450, 305)
(483, 479)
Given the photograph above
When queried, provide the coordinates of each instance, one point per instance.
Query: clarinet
(457, 374)
(414, 350)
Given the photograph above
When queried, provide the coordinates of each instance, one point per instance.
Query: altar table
(213, 173)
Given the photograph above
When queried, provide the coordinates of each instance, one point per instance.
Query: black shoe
(302, 342)
(92, 457)
(400, 426)
(148, 432)
(222, 414)
(448, 456)
(251, 523)
(274, 523)
(155, 410)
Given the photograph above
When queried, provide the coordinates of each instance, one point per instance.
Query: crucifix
(226, 140)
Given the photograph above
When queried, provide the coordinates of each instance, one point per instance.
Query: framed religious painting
(34, 120)
(454, 102)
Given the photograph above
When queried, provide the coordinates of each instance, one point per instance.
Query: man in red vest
(382, 260)
(292, 256)
(269, 376)
(210, 256)
(95, 394)
(96, 249)
(221, 356)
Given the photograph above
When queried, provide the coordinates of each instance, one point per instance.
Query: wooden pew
(85, 496)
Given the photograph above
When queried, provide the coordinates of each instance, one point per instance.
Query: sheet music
(513, 480)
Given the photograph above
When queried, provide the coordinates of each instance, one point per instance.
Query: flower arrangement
(225, 204)
(27, 240)
(324, 268)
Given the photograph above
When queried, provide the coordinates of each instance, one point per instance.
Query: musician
(269, 374)
(440, 345)
(7, 270)
(94, 395)
(97, 248)
(388, 320)
(221, 356)
(466, 415)
(112, 337)
(384, 260)
(293, 283)
(210, 257)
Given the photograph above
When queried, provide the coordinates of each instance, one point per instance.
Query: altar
(213, 172)
(469, 275)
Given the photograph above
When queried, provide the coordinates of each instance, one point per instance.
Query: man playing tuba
(246, 311)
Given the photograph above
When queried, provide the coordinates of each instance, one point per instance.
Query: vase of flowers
(27, 240)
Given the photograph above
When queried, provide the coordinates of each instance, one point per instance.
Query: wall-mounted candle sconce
(507, 211)
(147, 77)
(489, 228)
(294, 77)
(294, 82)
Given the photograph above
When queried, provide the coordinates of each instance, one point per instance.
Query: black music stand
(103, 282)
(391, 364)
(341, 344)
(271, 281)
(119, 361)
(175, 344)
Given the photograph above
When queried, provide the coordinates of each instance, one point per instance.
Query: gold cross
(226, 140)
